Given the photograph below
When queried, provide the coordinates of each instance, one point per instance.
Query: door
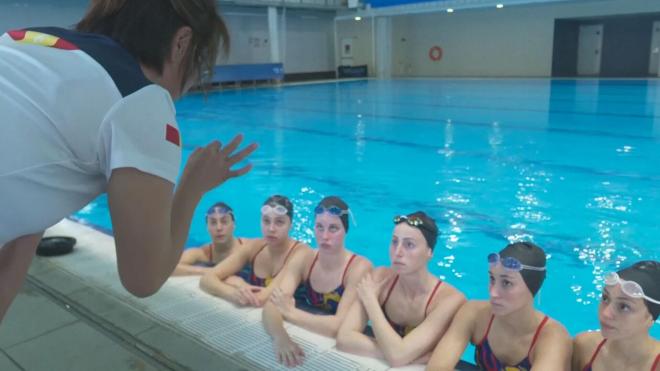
(346, 51)
(654, 63)
(590, 42)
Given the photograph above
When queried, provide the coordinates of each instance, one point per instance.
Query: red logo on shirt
(172, 135)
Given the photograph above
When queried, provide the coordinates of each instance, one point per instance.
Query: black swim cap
(428, 227)
(647, 275)
(528, 254)
(337, 202)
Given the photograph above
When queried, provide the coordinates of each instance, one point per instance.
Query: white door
(590, 43)
(346, 51)
(654, 63)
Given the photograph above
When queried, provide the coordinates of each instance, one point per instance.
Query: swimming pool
(571, 165)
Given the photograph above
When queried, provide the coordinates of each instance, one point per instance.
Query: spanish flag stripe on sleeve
(41, 39)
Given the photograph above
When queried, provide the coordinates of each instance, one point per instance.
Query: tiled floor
(40, 334)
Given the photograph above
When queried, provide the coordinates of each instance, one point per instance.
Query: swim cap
(427, 226)
(528, 254)
(647, 275)
(338, 202)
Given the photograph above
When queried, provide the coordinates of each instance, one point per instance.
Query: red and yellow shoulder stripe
(42, 39)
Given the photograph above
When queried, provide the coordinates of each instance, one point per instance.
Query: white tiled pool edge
(231, 332)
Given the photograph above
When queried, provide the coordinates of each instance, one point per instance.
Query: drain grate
(207, 324)
(243, 337)
(331, 361)
(182, 311)
(262, 355)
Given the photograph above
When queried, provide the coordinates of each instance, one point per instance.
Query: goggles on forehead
(511, 263)
(219, 210)
(630, 288)
(413, 221)
(334, 210)
(276, 209)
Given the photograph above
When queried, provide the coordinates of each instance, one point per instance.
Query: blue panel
(384, 3)
(248, 72)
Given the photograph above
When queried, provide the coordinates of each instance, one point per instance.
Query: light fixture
(499, 6)
(358, 18)
(450, 10)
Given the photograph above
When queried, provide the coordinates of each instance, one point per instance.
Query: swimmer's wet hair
(145, 28)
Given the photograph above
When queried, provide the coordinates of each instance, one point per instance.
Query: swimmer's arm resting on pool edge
(451, 346)
(189, 257)
(219, 280)
(554, 349)
(287, 352)
(413, 347)
(328, 325)
(143, 206)
(350, 337)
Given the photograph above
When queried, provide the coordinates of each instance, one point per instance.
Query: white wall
(514, 41)
(361, 34)
(20, 14)
(248, 32)
(306, 38)
(309, 44)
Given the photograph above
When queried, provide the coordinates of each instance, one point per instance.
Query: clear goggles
(630, 288)
(334, 210)
(511, 263)
(274, 209)
(219, 210)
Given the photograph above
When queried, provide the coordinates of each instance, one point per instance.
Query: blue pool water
(571, 165)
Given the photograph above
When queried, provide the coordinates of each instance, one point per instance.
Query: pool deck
(73, 314)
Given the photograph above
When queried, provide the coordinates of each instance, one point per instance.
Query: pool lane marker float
(435, 53)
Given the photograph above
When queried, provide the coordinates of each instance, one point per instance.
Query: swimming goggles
(277, 210)
(511, 263)
(334, 210)
(413, 221)
(219, 210)
(630, 288)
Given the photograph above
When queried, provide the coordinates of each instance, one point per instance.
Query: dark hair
(282, 201)
(647, 274)
(338, 202)
(528, 254)
(428, 227)
(222, 205)
(145, 28)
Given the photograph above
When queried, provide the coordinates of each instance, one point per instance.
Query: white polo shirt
(73, 107)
